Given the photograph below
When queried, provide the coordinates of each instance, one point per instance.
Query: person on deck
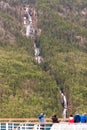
(71, 119)
(54, 119)
(83, 118)
(41, 118)
(77, 118)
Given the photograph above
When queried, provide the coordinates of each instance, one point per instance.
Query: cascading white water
(64, 104)
(38, 58)
(37, 50)
(30, 32)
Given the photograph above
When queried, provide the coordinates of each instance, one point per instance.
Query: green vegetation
(65, 55)
(28, 88)
(24, 87)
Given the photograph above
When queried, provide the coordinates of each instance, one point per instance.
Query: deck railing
(24, 124)
(33, 124)
(27, 119)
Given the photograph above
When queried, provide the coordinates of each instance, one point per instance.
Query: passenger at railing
(54, 119)
(86, 117)
(83, 118)
(77, 118)
(41, 118)
(71, 119)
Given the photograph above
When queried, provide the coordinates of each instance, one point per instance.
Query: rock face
(9, 22)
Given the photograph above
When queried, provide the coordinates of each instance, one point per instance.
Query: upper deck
(33, 124)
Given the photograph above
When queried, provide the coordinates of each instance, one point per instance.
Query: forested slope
(64, 47)
(28, 88)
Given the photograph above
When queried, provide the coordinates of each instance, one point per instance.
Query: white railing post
(6, 126)
(39, 127)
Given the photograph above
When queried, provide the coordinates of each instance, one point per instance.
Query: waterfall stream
(64, 104)
(30, 32)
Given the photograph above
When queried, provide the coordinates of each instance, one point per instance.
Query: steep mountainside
(64, 48)
(28, 88)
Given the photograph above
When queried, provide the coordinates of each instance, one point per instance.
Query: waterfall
(38, 57)
(30, 32)
(64, 104)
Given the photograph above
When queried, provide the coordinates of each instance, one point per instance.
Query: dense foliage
(28, 88)
(65, 54)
